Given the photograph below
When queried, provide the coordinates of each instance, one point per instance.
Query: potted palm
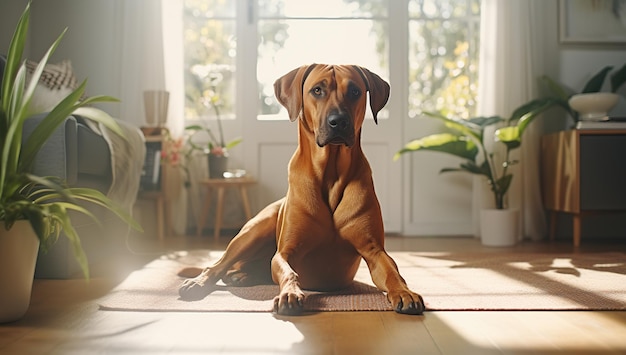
(34, 210)
(468, 140)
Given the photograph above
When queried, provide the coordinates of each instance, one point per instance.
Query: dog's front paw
(194, 289)
(289, 303)
(406, 302)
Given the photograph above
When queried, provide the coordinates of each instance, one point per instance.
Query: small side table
(221, 185)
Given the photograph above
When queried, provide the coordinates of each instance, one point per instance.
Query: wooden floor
(64, 319)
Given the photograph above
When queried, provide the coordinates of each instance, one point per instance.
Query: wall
(10, 12)
(92, 40)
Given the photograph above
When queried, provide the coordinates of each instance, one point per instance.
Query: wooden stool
(220, 185)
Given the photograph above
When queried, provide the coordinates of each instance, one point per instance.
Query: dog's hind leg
(249, 247)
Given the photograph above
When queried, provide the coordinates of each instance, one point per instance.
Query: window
(210, 54)
(293, 33)
(443, 56)
(442, 49)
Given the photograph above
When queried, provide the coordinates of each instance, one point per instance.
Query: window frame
(247, 18)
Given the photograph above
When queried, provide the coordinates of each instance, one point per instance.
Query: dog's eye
(355, 92)
(317, 91)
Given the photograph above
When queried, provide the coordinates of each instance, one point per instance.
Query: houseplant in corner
(216, 147)
(34, 210)
(468, 140)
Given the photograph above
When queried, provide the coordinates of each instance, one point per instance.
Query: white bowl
(594, 106)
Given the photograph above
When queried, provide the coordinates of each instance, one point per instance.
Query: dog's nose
(339, 121)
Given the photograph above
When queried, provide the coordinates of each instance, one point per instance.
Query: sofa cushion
(57, 81)
(55, 76)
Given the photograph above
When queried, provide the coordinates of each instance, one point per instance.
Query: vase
(594, 106)
(18, 255)
(156, 104)
(499, 227)
(218, 164)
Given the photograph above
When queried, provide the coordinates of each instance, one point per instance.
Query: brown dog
(315, 237)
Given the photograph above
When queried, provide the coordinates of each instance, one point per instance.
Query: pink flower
(218, 151)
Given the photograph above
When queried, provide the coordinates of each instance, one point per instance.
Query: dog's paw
(237, 278)
(289, 303)
(193, 289)
(406, 302)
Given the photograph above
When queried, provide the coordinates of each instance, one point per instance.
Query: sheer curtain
(152, 59)
(510, 47)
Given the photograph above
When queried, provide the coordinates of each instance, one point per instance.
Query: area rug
(447, 281)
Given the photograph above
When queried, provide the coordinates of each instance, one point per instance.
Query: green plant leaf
(14, 56)
(510, 136)
(595, 83)
(618, 78)
(98, 198)
(483, 122)
(194, 128)
(471, 167)
(456, 145)
(61, 215)
(531, 106)
(97, 115)
(233, 143)
(464, 127)
(503, 184)
(560, 91)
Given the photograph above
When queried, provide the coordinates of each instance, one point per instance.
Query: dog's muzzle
(337, 129)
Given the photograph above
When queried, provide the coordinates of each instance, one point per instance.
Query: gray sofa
(82, 157)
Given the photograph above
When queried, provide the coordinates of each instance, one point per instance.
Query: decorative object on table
(216, 147)
(467, 140)
(591, 104)
(594, 105)
(44, 202)
(156, 104)
(218, 165)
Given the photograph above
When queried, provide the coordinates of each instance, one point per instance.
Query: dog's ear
(379, 90)
(288, 90)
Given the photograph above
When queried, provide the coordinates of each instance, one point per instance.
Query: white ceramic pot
(499, 228)
(594, 106)
(18, 255)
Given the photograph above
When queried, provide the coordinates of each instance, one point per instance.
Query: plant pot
(218, 164)
(499, 228)
(594, 106)
(18, 255)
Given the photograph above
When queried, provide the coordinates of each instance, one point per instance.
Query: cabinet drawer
(603, 172)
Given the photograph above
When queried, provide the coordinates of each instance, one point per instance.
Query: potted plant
(467, 139)
(591, 103)
(34, 210)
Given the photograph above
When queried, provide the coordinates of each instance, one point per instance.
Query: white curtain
(153, 60)
(510, 64)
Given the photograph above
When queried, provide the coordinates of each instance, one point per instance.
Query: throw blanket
(127, 158)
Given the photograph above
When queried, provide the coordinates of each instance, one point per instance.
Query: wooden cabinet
(583, 172)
